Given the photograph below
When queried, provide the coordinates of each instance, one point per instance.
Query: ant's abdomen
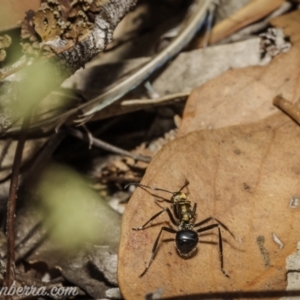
(186, 242)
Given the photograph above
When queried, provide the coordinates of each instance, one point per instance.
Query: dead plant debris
(90, 138)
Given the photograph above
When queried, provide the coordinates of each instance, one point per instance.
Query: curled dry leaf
(245, 95)
(244, 176)
(250, 13)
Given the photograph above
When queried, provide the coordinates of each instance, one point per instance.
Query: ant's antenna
(157, 189)
(153, 188)
(185, 184)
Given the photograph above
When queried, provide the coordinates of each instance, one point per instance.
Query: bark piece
(69, 56)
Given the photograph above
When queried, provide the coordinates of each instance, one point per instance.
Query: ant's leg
(176, 211)
(194, 210)
(203, 222)
(158, 201)
(155, 247)
(219, 222)
(155, 216)
(171, 217)
(224, 227)
(221, 252)
(220, 244)
(151, 219)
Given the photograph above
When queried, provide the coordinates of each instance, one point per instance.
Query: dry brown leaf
(252, 12)
(245, 95)
(243, 175)
(246, 177)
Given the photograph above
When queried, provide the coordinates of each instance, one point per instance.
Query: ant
(183, 217)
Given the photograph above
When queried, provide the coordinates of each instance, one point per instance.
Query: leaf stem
(11, 205)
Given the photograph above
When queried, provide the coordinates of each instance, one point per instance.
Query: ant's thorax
(183, 211)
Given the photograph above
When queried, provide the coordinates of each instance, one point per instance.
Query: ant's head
(178, 196)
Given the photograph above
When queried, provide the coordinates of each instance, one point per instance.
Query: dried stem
(43, 157)
(165, 100)
(101, 144)
(288, 108)
(11, 206)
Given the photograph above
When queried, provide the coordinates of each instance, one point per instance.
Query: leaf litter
(215, 162)
(245, 95)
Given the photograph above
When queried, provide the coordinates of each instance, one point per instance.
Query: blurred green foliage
(74, 213)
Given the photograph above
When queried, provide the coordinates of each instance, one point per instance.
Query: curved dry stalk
(11, 205)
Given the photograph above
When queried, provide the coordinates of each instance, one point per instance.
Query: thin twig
(288, 108)
(43, 156)
(89, 135)
(19, 65)
(145, 103)
(106, 146)
(11, 205)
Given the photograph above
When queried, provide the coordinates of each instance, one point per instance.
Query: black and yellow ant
(183, 217)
